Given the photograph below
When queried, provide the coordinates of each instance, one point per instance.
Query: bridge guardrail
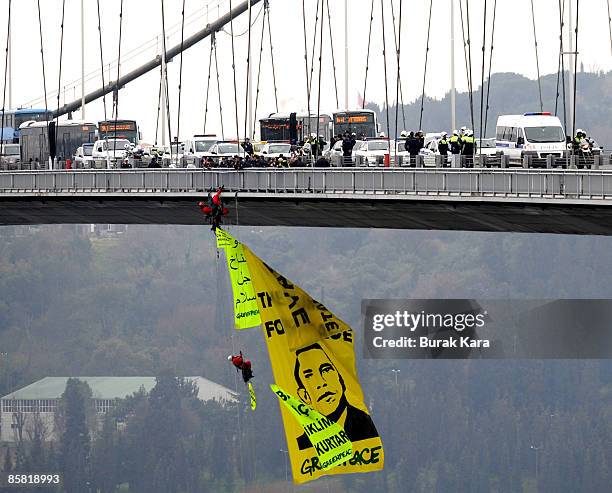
(478, 182)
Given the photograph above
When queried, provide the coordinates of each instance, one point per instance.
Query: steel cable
(6, 56)
(116, 95)
(42, 58)
(367, 67)
(59, 82)
(484, 41)
(331, 42)
(490, 66)
(234, 70)
(425, 69)
(180, 86)
(535, 40)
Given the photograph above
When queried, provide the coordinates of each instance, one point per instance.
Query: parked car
(224, 150)
(9, 156)
(372, 152)
(276, 149)
(83, 157)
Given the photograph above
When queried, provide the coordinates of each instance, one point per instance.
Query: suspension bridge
(546, 201)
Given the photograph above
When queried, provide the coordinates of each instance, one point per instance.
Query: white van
(536, 134)
(200, 145)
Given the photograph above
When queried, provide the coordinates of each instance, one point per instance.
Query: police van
(536, 134)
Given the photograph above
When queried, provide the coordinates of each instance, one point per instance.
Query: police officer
(443, 147)
(467, 148)
(455, 143)
(348, 142)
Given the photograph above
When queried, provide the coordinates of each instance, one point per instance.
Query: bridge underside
(318, 211)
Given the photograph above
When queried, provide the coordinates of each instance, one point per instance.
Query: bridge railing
(519, 182)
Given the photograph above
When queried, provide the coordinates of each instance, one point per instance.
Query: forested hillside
(155, 301)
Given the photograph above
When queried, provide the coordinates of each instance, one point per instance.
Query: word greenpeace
(247, 314)
(412, 321)
(364, 456)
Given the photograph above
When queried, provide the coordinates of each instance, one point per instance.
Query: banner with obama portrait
(313, 361)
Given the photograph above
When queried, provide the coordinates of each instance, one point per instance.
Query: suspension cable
(535, 41)
(6, 55)
(319, 150)
(272, 57)
(42, 58)
(248, 82)
(161, 78)
(180, 86)
(59, 82)
(165, 79)
(306, 64)
(384, 46)
(103, 82)
(425, 69)
(234, 69)
(467, 17)
(214, 41)
(575, 68)
(610, 25)
(367, 67)
(208, 84)
(331, 42)
(561, 67)
(261, 43)
(468, 59)
(490, 66)
(484, 41)
(398, 84)
(314, 44)
(116, 95)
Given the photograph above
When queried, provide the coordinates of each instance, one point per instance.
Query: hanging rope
(575, 68)
(261, 45)
(535, 41)
(367, 67)
(561, 67)
(398, 84)
(6, 56)
(208, 83)
(490, 65)
(248, 81)
(161, 78)
(180, 86)
(467, 53)
(610, 25)
(214, 40)
(320, 70)
(42, 59)
(59, 81)
(331, 42)
(234, 69)
(306, 65)
(484, 41)
(425, 69)
(116, 95)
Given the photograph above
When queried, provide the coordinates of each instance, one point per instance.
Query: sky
(142, 33)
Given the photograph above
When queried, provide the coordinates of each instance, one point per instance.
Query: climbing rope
(116, 95)
(367, 67)
(59, 82)
(425, 70)
(6, 55)
(180, 86)
(535, 41)
(490, 65)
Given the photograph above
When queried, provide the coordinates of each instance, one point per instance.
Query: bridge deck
(519, 200)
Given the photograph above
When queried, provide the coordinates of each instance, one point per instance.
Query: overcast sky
(514, 52)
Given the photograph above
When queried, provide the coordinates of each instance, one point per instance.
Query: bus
(120, 129)
(277, 127)
(361, 122)
(13, 119)
(71, 134)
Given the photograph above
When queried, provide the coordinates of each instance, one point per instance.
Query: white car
(275, 149)
(83, 157)
(116, 150)
(200, 145)
(10, 154)
(372, 152)
(225, 149)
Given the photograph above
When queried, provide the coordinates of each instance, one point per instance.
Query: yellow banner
(320, 370)
(253, 398)
(246, 310)
(328, 439)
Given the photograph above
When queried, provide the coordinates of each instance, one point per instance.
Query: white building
(36, 404)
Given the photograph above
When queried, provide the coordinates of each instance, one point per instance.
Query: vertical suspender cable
(59, 81)
(367, 67)
(165, 78)
(208, 84)
(467, 53)
(535, 41)
(234, 69)
(425, 69)
(484, 41)
(306, 64)
(42, 58)
(248, 80)
(399, 96)
(180, 86)
(561, 67)
(159, 100)
(575, 68)
(490, 65)
(314, 45)
(103, 82)
(267, 6)
(116, 101)
(333, 57)
(6, 55)
(218, 86)
(384, 47)
(319, 150)
(261, 45)
(610, 25)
